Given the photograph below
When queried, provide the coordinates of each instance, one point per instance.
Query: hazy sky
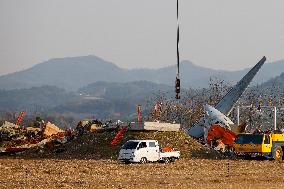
(226, 34)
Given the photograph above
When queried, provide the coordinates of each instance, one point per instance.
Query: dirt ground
(185, 173)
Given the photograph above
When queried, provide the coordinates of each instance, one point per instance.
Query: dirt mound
(97, 146)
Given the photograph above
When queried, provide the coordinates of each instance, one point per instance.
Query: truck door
(266, 144)
(142, 150)
(153, 151)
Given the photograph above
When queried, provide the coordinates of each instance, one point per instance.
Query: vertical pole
(275, 118)
(138, 114)
(238, 115)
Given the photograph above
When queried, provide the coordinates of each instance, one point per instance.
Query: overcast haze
(219, 34)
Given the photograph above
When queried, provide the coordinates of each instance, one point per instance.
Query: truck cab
(268, 145)
(144, 151)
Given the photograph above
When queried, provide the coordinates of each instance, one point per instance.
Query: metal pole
(275, 120)
(238, 115)
(138, 114)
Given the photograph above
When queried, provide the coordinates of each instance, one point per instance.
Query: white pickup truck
(144, 151)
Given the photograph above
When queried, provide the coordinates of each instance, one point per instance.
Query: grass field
(185, 173)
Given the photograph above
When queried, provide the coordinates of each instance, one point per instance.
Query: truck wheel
(167, 160)
(173, 159)
(143, 160)
(278, 153)
(247, 157)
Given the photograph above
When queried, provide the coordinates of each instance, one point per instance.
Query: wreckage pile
(96, 145)
(14, 138)
(90, 140)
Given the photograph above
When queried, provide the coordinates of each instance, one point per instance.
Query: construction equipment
(270, 145)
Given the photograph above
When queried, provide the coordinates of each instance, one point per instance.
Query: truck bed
(175, 154)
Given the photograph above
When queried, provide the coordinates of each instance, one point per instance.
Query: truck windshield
(249, 139)
(130, 145)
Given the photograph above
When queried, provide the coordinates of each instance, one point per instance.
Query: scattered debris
(15, 139)
(9, 131)
(97, 126)
(219, 137)
(51, 129)
(118, 136)
(91, 139)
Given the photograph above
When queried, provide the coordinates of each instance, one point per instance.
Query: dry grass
(185, 173)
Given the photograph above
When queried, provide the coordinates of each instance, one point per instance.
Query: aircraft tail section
(223, 108)
(230, 99)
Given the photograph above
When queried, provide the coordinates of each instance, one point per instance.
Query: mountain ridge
(72, 73)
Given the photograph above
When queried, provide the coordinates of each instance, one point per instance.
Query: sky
(220, 34)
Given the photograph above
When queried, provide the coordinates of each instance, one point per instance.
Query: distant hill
(67, 73)
(134, 90)
(102, 99)
(75, 72)
(277, 82)
(35, 99)
(107, 99)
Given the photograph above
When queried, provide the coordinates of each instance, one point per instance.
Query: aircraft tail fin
(230, 99)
